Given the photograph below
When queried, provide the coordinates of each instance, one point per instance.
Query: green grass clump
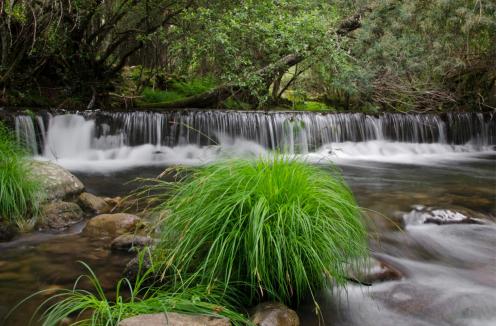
(20, 192)
(283, 227)
(231, 232)
(98, 308)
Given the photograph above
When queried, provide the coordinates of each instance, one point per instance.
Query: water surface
(449, 269)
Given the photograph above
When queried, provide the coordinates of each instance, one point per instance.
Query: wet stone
(428, 215)
(112, 225)
(93, 204)
(59, 215)
(174, 319)
(135, 266)
(274, 314)
(58, 182)
(375, 271)
(113, 202)
(129, 242)
(7, 232)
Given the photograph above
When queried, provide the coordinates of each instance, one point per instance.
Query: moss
(233, 104)
(175, 90)
(312, 106)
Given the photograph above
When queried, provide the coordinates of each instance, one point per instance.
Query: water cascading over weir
(189, 136)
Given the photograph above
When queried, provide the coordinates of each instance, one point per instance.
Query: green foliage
(404, 55)
(233, 40)
(311, 106)
(156, 96)
(177, 90)
(282, 227)
(411, 55)
(276, 228)
(233, 104)
(301, 103)
(20, 192)
(94, 308)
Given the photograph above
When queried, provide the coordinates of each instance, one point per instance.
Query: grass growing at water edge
(94, 308)
(20, 192)
(283, 227)
(235, 232)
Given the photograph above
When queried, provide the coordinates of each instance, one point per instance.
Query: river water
(392, 163)
(449, 269)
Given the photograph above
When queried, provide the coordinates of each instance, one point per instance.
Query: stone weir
(296, 132)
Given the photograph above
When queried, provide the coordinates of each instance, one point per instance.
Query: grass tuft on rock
(20, 192)
(283, 227)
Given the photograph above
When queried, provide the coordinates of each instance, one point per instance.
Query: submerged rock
(134, 266)
(58, 182)
(112, 224)
(59, 215)
(428, 215)
(93, 204)
(375, 271)
(128, 242)
(7, 232)
(174, 319)
(274, 314)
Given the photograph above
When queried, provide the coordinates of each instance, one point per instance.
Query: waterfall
(190, 136)
(25, 133)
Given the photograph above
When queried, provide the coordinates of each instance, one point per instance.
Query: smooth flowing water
(442, 162)
(104, 141)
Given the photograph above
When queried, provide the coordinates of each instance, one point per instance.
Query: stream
(449, 270)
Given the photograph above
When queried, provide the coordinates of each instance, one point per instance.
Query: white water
(84, 144)
(457, 287)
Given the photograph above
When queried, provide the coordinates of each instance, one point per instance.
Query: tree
(417, 55)
(80, 45)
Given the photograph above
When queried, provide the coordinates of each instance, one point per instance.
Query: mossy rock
(58, 183)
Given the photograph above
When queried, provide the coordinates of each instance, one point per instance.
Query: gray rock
(131, 270)
(112, 224)
(93, 204)
(428, 215)
(59, 215)
(274, 314)
(128, 242)
(58, 182)
(374, 272)
(174, 319)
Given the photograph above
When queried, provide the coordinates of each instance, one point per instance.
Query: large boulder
(174, 319)
(112, 225)
(129, 242)
(93, 204)
(59, 215)
(274, 314)
(58, 182)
